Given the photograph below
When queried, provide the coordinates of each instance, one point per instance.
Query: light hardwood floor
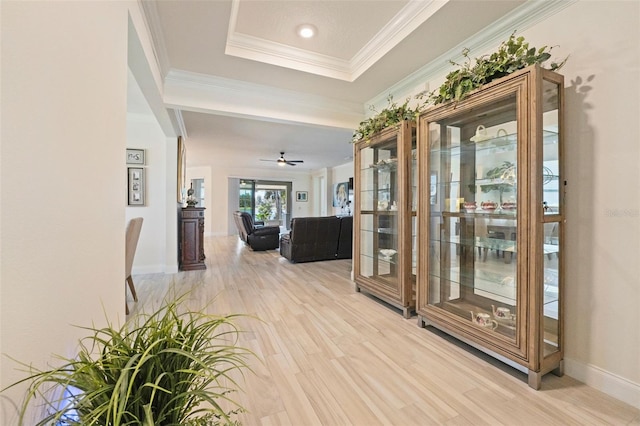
(331, 356)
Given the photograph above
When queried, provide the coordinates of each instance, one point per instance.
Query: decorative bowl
(387, 253)
(489, 205)
(508, 205)
(470, 206)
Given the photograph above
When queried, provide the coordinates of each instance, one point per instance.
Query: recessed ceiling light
(307, 31)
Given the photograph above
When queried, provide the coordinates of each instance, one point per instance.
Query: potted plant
(171, 367)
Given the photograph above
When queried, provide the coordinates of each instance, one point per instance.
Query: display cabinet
(191, 239)
(491, 226)
(385, 216)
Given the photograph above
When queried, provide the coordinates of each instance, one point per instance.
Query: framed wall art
(340, 194)
(136, 186)
(301, 196)
(135, 156)
(182, 170)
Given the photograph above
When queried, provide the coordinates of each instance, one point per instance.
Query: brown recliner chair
(257, 237)
(131, 243)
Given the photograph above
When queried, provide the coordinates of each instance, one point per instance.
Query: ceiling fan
(282, 161)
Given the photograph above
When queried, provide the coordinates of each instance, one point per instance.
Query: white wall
(209, 187)
(602, 153)
(216, 176)
(218, 171)
(340, 174)
(144, 132)
(321, 190)
(603, 201)
(62, 212)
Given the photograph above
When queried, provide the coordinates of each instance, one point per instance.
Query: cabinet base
(193, 267)
(534, 378)
(407, 311)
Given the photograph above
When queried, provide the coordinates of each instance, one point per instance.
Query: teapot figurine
(489, 205)
(483, 320)
(481, 134)
(504, 315)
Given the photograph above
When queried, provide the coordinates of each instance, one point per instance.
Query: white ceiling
(240, 78)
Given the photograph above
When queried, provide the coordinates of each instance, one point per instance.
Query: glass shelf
(387, 166)
(491, 145)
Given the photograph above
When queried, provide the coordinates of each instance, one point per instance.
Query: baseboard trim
(604, 381)
(171, 269)
(148, 269)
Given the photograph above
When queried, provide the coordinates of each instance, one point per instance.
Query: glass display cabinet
(492, 222)
(385, 216)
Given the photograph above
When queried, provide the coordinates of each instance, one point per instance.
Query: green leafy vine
(389, 116)
(512, 55)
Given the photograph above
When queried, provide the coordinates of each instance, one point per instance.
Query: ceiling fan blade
(282, 161)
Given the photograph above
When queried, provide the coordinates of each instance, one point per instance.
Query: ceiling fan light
(282, 163)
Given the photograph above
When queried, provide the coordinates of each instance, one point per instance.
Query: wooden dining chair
(132, 235)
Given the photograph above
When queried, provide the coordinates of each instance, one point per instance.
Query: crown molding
(414, 14)
(522, 18)
(205, 93)
(261, 50)
(400, 26)
(180, 123)
(152, 20)
(239, 87)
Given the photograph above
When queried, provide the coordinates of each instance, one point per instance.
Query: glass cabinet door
(473, 222)
(386, 235)
(379, 212)
(491, 224)
(413, 199)
(552, 195)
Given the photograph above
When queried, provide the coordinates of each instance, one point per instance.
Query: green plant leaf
(158, 369)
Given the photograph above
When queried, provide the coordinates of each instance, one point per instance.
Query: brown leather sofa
(257, 237)
(318, 238)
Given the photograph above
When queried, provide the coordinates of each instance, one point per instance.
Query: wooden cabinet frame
(371, 216)
(517, 100)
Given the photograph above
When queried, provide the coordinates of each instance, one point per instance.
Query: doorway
(198, 191)
(266, 201)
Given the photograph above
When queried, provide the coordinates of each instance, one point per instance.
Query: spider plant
(165, 368)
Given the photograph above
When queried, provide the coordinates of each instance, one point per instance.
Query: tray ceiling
(243, 61)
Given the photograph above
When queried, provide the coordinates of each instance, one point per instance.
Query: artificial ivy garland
(512, 55)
